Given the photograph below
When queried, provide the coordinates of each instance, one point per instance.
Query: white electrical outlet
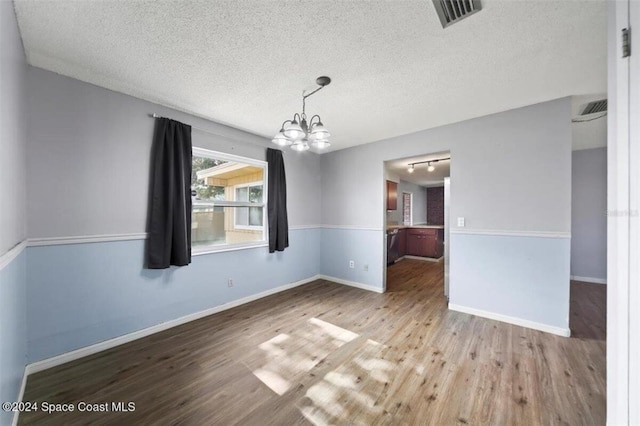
(352, 264)
(366, 268)
(230, 282)
(461, 222)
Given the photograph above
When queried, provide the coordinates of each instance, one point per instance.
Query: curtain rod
(154, 115)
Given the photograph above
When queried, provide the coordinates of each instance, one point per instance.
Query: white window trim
(262, 204)
(264, 242)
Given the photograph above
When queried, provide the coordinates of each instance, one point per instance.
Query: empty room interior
(344, 212)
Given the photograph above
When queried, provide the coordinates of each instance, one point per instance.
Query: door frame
(623, 228)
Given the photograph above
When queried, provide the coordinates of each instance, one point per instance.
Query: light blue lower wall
(13, 331)
(363, 246)
(82, 294)
(520, 277)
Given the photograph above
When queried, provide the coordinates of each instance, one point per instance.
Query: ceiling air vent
(452, 11)
(595, 106)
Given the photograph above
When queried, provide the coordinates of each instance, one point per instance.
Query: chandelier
(298, 133)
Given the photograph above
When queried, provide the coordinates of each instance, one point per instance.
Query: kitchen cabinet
(430, 246)
(417, 243)
(439, 243)
(402, 242)
(424, 242)
(392, 195)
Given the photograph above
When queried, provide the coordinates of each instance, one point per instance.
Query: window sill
(248, 228)
(199, 251)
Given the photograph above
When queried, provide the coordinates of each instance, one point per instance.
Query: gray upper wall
(12, 131)
(89, 151)
(509, 171)
(89, 156)
(589, 218)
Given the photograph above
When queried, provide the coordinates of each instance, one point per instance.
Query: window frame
(264, 242)
(263, 205)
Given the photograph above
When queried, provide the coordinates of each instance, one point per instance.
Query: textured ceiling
(395, 70)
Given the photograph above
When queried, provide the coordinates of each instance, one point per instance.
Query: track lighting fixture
(430, 164)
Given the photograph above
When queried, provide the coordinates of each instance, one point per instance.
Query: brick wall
(435, 205)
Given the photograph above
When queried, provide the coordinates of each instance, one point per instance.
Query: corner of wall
(13, 285)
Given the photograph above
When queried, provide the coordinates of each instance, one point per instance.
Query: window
(407, 212)
(252, 217)
(229, 194)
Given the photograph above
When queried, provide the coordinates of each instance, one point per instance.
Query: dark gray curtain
(169, 219)
(277, 202)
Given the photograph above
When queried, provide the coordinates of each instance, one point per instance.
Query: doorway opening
(415, 225)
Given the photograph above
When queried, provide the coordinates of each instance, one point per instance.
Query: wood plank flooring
(329, 354)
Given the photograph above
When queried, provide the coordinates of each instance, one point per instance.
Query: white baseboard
(351, 283)
(565, 332)
(589, 279)
(120, 340)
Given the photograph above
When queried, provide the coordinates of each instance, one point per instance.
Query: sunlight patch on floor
(273, 380)
(339, 334)
(354, 388)
(282, 360)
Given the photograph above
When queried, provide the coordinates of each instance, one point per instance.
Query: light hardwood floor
(329, 354)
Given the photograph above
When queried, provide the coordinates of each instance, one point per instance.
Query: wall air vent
(452, 11)
(595, 106)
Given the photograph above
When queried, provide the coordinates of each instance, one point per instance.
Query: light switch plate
(461, 222)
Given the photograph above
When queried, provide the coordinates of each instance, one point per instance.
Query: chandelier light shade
(301, 134)
(300, 145)
(293, 130)
(319, 132)
(321, 143)
(281, 139)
